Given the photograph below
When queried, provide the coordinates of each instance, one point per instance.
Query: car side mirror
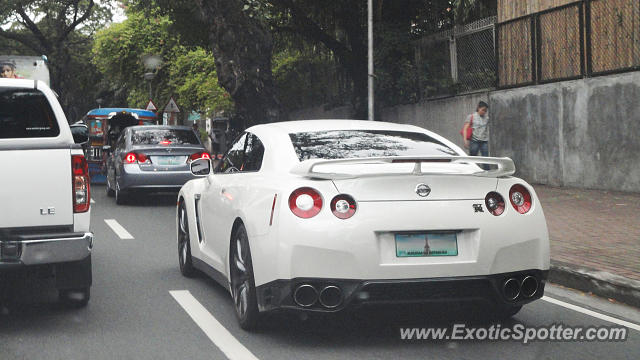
(80, 133)
(201, 167)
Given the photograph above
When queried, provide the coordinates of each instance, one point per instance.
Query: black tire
(74, 298)
(121, 197)
(243, 287)
(184, 245)
(110, 191)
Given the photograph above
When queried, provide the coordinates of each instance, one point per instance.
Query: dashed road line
(217, 333)
(93, 201)
(592, 313)
(118, 229)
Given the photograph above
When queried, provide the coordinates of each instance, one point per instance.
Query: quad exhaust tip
(529, 286)
(331, 296)
(305, 295)
(511, 288)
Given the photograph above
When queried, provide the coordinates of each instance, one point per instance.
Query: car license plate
(427, 244)
(169, 160)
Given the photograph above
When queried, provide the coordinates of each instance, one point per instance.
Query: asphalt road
(133, 315)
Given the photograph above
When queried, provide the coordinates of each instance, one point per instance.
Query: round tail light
(305, 202)
(343, 206)
(494, 203)
(520, 198)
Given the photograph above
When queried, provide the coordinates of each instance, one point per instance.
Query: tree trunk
(242, 47)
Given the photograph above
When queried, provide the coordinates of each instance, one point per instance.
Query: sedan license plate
(427, 244)
(169, 160)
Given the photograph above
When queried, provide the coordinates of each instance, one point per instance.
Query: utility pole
(370, 35)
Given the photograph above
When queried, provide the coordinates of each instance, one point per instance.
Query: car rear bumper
(36, 250)
(134, 178)
(489, 289)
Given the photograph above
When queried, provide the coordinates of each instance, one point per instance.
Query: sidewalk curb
(600, 283)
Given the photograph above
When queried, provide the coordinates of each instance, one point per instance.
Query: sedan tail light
(132, 158)
(305, 202)
(343, 206)
(80, 183)
(520, 198)
(199, 155)
(494, 203)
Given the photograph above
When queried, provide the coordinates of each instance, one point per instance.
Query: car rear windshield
(164, 137)
(349, 144)
(26, 113)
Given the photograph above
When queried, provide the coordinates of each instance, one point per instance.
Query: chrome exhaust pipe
(331, 296)
(529, 286)
(305, 295)
(511, 288)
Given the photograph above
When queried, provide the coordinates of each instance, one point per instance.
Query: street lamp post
(370, 59)
(149, 77)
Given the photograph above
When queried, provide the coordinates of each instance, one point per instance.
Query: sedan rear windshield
(164, 137)
(349, 144)
(26, 113)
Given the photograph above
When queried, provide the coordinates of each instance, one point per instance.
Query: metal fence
(583, 38)
(458, 60)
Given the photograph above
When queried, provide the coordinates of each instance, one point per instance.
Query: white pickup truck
(44, 191)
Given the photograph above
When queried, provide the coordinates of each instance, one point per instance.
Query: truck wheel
(74, 298)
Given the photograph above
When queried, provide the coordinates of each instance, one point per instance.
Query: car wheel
(110, 191)
(120, 197)
(184, 245)
(243, 288)
(74, 298)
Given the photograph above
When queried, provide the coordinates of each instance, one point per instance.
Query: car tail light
(343, 206)
(199, 155)
(165, 142)
(494, 203)
(81, 184)
(520, 198)
(132, 158)
(305, 202)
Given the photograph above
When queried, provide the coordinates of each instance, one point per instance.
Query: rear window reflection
(165, 137)
(349, 144)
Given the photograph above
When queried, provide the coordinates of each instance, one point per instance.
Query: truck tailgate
(35, 188)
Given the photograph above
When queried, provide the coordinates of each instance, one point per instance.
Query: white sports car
(320, 215)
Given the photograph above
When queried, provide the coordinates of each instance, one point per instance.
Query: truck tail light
(305, 202)
(132, 158)
(81, 184)
(494, 203)
(520, 198)
(199, 155)
(343, 206)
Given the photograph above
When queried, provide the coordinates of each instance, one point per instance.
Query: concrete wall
(582, 133)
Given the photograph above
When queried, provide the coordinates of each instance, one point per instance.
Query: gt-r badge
(423, 190)
(477, 208)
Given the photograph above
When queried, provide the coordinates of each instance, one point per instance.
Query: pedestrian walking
(475, 131)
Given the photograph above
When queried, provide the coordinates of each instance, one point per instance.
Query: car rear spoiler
(505, 166)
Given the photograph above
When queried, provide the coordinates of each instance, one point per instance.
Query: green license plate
(426, 244)
(169, 160)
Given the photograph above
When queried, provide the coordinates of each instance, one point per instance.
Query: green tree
(62, 30)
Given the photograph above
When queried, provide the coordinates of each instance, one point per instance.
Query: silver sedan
(152, 159)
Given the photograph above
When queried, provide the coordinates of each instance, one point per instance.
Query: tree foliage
(188, 73)
(62, 30)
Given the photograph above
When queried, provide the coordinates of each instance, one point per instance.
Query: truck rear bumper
(67, 248)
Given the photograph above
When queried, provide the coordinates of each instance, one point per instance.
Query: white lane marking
(93, 201)
(118, 229)
(217, 333)
(592, 313)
